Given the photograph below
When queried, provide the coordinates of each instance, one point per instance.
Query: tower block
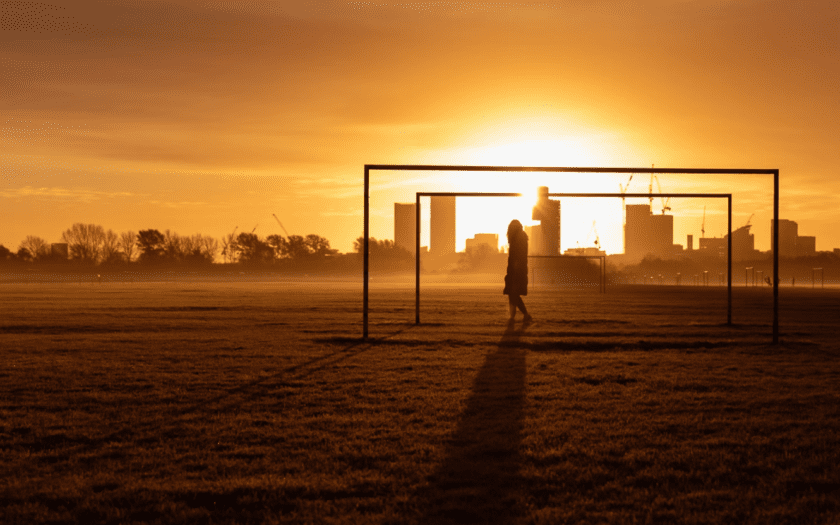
(546, 211)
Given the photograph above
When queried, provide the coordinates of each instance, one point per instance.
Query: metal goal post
(602, 288)
(556, 169)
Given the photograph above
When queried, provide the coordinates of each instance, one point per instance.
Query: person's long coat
(516, 280)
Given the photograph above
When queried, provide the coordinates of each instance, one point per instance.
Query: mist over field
(196, 402)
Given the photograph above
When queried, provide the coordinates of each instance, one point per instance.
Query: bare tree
(190, 245)
(84, 241)
(111, 252)
(209, 247)
(198, 249)
(36, 247)
(127, 246)
(172, 246)
(230, 248)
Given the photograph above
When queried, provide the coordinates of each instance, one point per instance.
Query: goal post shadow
(555, 169)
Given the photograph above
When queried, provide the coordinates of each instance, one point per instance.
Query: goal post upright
(776, 257)
(729, 261)
(366, 252)
(556, 169)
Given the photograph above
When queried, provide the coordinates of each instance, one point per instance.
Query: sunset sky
(203, 116)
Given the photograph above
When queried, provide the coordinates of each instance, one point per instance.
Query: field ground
(259, 403)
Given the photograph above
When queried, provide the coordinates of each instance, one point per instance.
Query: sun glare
(484, 215)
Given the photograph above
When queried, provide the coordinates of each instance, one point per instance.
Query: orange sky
(206, 115)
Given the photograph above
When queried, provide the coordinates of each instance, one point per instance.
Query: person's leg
(513, 301)
(521, 305)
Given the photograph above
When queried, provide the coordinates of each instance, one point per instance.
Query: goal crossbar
(557, 169)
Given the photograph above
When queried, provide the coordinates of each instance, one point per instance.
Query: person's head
(514, 229)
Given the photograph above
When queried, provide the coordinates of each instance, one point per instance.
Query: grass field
(259, 403)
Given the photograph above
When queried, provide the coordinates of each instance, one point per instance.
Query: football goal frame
(562, 170)
(603, 263)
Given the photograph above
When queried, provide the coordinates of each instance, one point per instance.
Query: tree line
(91, 244)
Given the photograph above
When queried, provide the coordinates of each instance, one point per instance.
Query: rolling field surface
(260, 403)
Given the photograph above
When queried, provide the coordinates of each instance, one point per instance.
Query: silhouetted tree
(172, 247)
(198, 249)
(35, 248)
(6, 255)
(319, 246)
(209, 247)
(385, 247)
(111, 252)
(294, 247)
(252, 249)
(151, 245)
(385, 254)
(84, 242)
(276, 242)
(229, 248)
(127, 246)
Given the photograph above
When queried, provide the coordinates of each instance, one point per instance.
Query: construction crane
(650, 188)
(703, 225)
(255, 228)
(665, 202)
(748, 221)
(281, 224)
(595, 231)
(624, 211)
(624, 190)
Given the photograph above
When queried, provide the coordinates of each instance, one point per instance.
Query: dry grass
(248, 403)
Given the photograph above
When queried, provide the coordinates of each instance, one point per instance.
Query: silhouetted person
(516, 279)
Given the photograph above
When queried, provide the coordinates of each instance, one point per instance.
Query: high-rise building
(405, 226)
(689, 242)
(647, 234)
(743, 244)
(662, 235)
(806, 245)
(546, 239)
(788, 232)
(442, 228)
(637, 230)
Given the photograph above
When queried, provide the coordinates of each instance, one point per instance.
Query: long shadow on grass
(477, 481)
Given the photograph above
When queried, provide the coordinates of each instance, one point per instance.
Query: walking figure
(516, 279)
